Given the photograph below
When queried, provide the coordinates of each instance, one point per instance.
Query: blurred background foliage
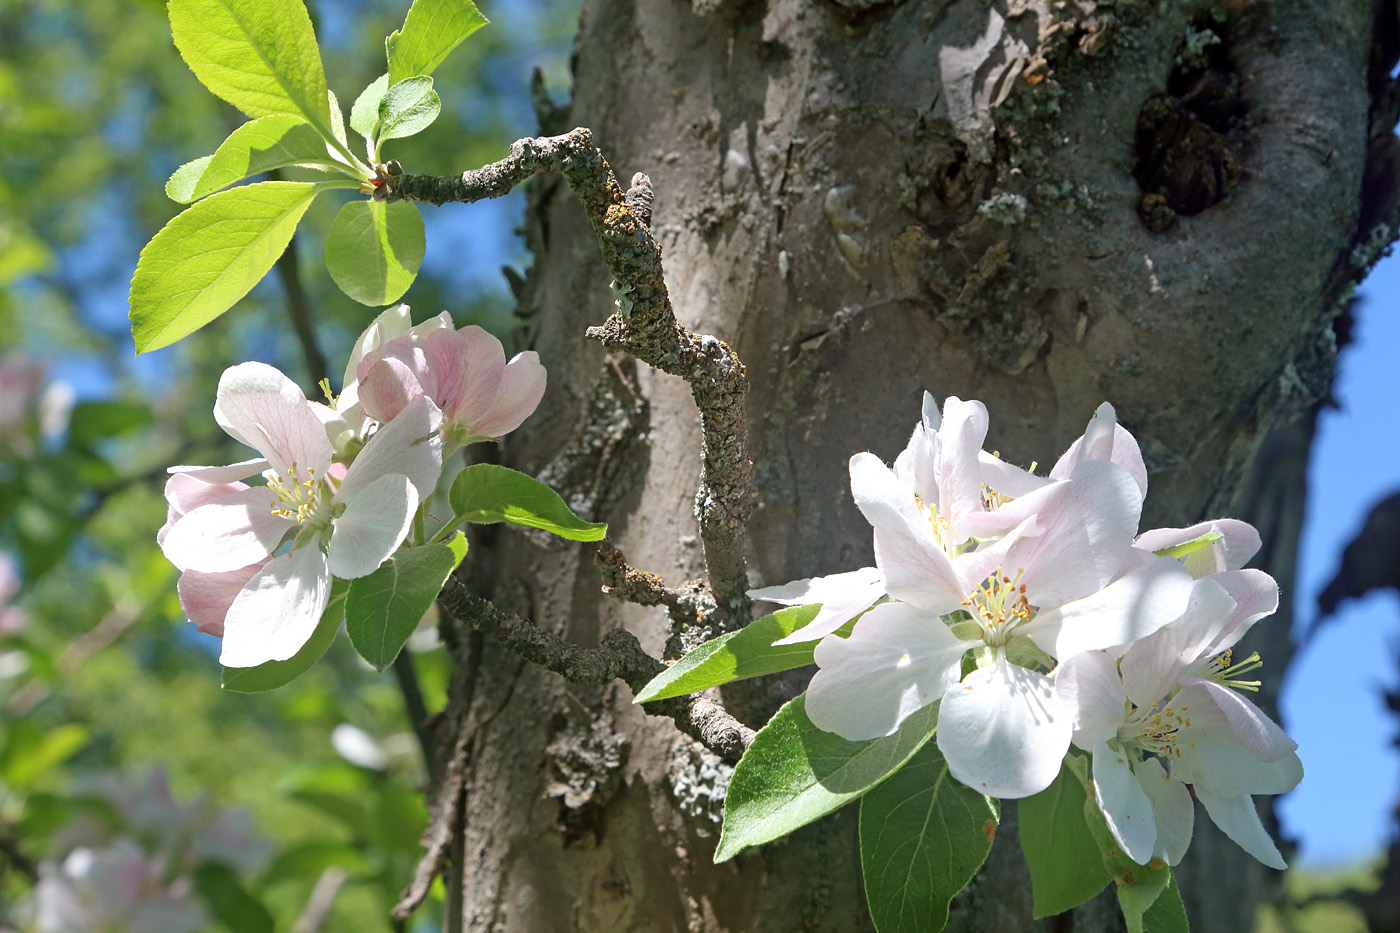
(110, 704)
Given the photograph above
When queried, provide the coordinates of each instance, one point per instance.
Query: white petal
(842, 596)
(1239, 544)
(222, 474)
(1211, 758)
(374, 523)
(1092, 692)
(1249, 725)
(1256, 596)
(1100, 443)
(231, 532)
(914, 567)
(1124, 611)
(1124, 803)
(276, 613)
(959, 478)
(1153, 666)
(1003, 730)
(261, 407)
(1007, 479)
(1236, 816)
(1172, 810)
(401, 446)
(896, 661)
(393, 322)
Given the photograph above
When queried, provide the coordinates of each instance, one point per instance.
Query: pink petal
(374, 523)
(231, 532)
(388, 385)
(267, 411)
(392, 323)
(184, 494)
(278, 610)
(206, 597)
(1003, 730)
(472, 363)
(518, 395)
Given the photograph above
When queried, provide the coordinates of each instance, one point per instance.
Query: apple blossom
(119, 889)
(341, 521)
(1168, 715)
(463, 371)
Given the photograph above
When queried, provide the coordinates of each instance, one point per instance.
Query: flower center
(999, 605)
(297, 499)
(1155, 728)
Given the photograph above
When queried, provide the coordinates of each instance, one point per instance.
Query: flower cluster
(342, 483)
(1073, 628)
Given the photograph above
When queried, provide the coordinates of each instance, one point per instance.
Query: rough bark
(866, 199)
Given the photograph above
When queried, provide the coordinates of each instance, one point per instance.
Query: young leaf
(210, 255)
(259, 55)
(794, 773)
(1066, 866)
(337, 128)
(432, 29)
(256, 146)
(1167, 914)
(486, 493)
(922, 838)
(1187, 548)
(274, 674)
(407, 108)
(364, 113)
(749, 652)
(374, 249)
(385, 607)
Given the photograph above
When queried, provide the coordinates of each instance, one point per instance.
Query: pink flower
(466, 375)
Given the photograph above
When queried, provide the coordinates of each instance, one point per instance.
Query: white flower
(1168, 715)
(342, 522)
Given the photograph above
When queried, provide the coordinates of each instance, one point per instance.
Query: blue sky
(1331, 702)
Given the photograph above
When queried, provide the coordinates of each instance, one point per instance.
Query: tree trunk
(1042, 205)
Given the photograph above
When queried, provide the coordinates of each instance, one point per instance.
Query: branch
(644, 326)
(619, 657)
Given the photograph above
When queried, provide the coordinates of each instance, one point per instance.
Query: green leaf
(923, 836)
(259, 55)
(749, 652)
(794, 773)
(486, 493)
(374, 249)
(1167, 913)
(1066, 866)
(256, 146)
(409, 107)
(385, 607)
(230, 902)
(210, 256)
(274, 674)
(30, 753)
(364, 113)
(432, 29)
(1187, 548)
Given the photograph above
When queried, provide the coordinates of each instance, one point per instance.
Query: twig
(318, 906)
(644, 326)
(619, 657)
(407, 676)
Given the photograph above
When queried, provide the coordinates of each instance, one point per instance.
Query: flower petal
(1092, 692)
(1255, 594)
(1124, 803)
(842, 596)
(206, 597)
(914, 567)
(470, 364)
(222, 474)
(1153, 665)
(264, 409)
(1104, 439)
(1237, 818)
(1007, 479)
(374, 523)
(896, 661)
(1003, 730)
(1210, 756)
(387, 387)
(1239, 544)
(184, 494)
(392, 323)
(1218, 704)
(401, 446)
(1122, 612)
(278, 610)
(517, 396)
(231, 532)
(1172, 810)
(958, 475)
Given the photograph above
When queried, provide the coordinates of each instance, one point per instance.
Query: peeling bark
(867, 199)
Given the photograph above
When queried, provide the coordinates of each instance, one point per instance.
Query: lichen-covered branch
(619, 657)
(644, 325)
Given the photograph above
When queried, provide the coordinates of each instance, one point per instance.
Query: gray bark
(866, 200)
